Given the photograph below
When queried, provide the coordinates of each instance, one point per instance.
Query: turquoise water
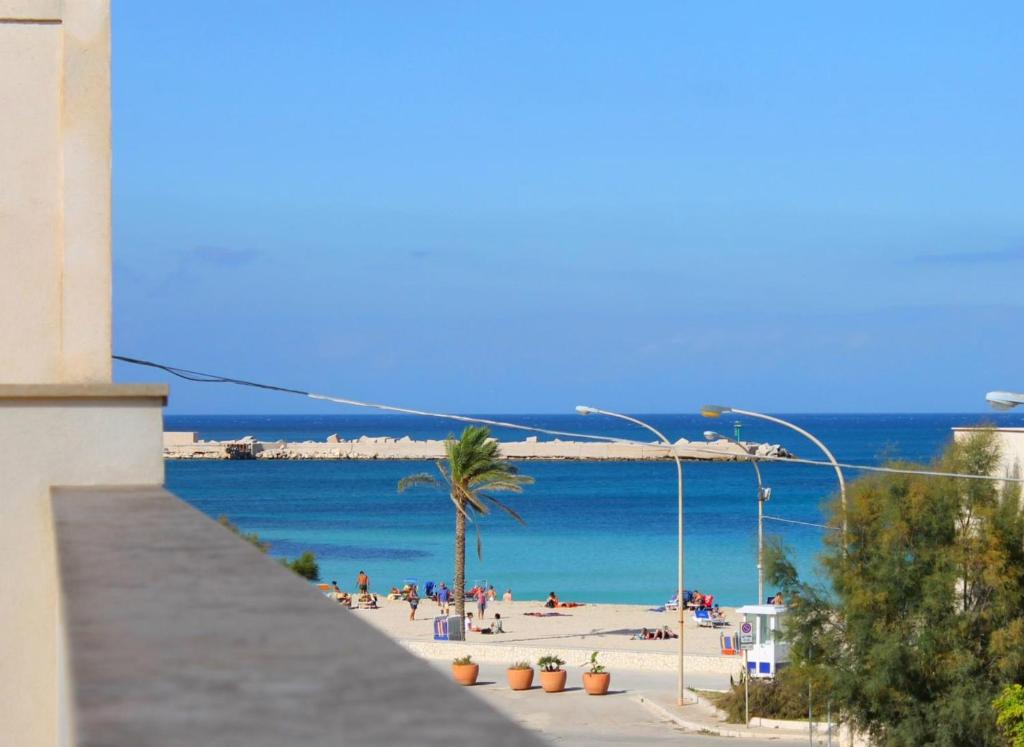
(600, 532)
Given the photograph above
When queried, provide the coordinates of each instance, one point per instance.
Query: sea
(594, 531)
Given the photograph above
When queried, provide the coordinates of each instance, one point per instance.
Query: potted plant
(552, 676)
(595, 681)
(520, 675)
(465, 671)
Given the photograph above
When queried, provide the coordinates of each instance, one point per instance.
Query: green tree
(923, 623)
(251, 537)
(305, 565)
(1009, 708)
(472, 471)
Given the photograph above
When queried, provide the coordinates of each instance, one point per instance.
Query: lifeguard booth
(766, 651)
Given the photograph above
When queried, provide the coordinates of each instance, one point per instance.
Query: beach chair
(703, 618)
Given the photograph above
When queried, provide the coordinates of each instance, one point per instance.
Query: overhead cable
(208, 378)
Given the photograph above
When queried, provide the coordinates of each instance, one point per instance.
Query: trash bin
(441, 628)
(456, 628)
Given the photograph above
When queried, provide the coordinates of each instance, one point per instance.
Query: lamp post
(763, 494)
(714, 411)
(1004, 400)
(583, 410)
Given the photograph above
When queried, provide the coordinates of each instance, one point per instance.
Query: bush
(784, 697)
(521, 665)
(463, 660)
(305, 565)
(251, 537)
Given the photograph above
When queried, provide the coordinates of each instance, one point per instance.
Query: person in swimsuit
(414, 601)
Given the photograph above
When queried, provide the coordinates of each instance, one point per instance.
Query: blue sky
(517, 207)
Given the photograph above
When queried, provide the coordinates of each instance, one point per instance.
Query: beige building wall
(55, 191)
(61, 420)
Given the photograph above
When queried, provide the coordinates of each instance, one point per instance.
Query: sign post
(746, 643)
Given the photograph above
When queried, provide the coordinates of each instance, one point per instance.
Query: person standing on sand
(481, 603)
(507, 596)
(444, 595)
(414, 601)
(363, 582)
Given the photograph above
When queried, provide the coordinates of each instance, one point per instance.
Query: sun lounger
(705, 619)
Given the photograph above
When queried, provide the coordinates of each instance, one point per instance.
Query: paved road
(575, 719)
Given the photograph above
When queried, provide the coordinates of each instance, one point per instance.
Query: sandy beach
(573, 634)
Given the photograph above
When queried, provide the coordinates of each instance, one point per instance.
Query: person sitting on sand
(497, 626)
(641, 636)
(394, 593)
(470, 627)
(552, 601)
(507, 596)
(666, 633)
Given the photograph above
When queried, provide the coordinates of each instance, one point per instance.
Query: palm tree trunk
(460, 563)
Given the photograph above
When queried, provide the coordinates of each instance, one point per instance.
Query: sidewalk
(702, 716)
(638, 710)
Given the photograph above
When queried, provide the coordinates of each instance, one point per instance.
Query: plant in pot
(465, 671)
(596, 680)
(552, 676)
(520, 675)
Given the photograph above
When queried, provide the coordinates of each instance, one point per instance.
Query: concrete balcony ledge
(20, 392)
(179, 633)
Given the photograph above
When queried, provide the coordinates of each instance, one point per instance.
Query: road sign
(746, 628)
(746, 642)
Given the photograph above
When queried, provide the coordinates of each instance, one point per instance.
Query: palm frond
(504, 507)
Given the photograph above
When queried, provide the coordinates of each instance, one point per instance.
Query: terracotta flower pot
(596, 684)
(553, 682)
(520, 679)
(465, 674)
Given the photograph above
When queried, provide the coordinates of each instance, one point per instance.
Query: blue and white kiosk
(759, 629)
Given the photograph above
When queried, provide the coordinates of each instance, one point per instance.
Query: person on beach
(444, 595)
(363, 582)
(481, 603)
(414, 602)
(777, 600)
(507, 596)
(497, 626)
(552, 601)
(492, 595)
(470, 627)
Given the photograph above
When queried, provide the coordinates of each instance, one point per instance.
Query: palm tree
(473, 471)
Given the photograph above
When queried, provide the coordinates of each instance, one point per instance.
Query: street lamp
(763, 494)
(714, 411)
(1004, 400)
(584, 410)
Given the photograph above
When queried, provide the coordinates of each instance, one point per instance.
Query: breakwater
(186, 445)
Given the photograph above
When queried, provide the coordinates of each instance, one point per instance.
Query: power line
(802, 523)
(208, 378)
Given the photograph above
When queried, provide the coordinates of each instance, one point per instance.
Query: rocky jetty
(185, 445)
